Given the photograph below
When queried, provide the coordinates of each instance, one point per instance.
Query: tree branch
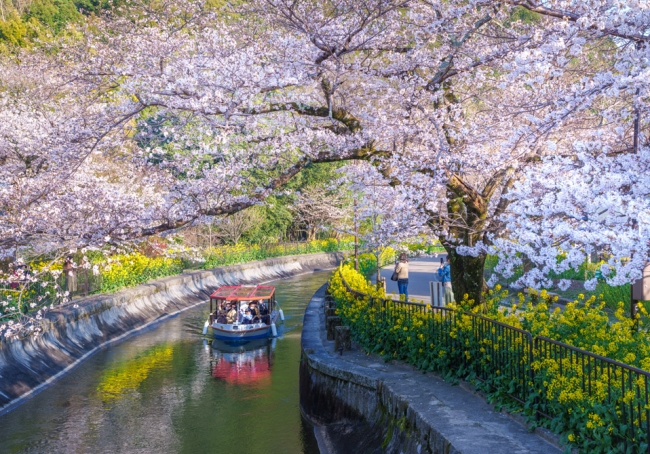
(573, 17)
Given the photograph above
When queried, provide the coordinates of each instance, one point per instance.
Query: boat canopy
(243, 292)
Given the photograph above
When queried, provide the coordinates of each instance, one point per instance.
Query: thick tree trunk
(467, 276)
(467, 212)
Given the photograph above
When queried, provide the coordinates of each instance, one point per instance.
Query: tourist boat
(233, 326)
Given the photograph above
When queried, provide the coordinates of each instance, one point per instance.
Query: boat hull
(239, 332)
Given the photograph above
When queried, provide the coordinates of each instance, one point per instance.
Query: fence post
(331, 323)
(536, 401)
(435, 291)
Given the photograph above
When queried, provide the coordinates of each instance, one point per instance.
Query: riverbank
(72, 333)
(169, 390)
(359, 401)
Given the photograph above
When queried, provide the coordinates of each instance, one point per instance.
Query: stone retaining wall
(72, 334)
(359, 403)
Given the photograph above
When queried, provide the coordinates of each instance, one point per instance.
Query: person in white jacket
(402, 270)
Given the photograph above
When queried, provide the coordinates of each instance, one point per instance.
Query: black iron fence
(590, 396)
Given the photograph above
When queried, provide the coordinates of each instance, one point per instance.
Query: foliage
(240, 253)
(425, 248)
(151, 260)
(368, 262)
(613, 296)
(276, 224)
(461, 345)
(582, 323)
(39, 21)
(54, 14)
(133, 269)
(586, 270)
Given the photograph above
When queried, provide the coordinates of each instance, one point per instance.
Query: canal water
(172, 390)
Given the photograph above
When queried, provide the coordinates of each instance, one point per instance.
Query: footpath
(422, 270)
(359, 403)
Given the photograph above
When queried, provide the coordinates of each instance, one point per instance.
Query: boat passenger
(231, 314)
(255, 312)
(243, 307)
(248, 318)
(264, 310)
(220, 313)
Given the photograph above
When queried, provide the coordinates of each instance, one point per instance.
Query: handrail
(593, 355)
(505, 325)
(628, 387)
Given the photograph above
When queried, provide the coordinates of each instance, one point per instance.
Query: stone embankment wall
(360, 404)
(71, 334)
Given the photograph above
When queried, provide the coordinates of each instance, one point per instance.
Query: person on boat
(255, 312)
(220, 312)
(247, 319)
(231, 314)
(264, 310)
(243, 307)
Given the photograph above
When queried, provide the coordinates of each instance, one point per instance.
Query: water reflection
(243, 364)
(170, 390)
(124, 377)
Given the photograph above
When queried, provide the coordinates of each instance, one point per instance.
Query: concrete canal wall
(71, 334)
(360, 404)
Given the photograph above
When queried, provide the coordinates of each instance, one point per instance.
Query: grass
(611, 295)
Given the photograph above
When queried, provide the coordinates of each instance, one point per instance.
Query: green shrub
(458, 345)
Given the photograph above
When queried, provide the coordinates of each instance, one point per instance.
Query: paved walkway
(422, 270)
(445, 417)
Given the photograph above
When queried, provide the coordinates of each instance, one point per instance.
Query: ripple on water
(168, 390)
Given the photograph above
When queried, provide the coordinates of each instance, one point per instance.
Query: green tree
(55, 14)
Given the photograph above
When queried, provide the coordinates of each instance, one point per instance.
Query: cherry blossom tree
(462, 108)
(317, 207)
(385, 210)
(584, 193)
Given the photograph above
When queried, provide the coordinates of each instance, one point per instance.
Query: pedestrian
(70, 275)
(402, 270)
(444, 273)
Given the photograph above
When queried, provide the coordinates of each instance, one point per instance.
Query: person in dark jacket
(444, 273)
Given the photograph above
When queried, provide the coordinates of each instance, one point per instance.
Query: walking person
(70, 275)
(402, 270)
(444, 273)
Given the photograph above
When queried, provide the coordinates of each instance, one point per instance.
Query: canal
(172, 390)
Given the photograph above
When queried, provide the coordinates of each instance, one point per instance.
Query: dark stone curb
(394, 407)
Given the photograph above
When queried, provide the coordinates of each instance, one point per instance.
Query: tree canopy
(515, 128)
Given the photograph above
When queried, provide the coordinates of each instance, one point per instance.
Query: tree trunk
(467, 212)
(467, 276)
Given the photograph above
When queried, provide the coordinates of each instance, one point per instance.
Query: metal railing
(623, 388)
(512, 361)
